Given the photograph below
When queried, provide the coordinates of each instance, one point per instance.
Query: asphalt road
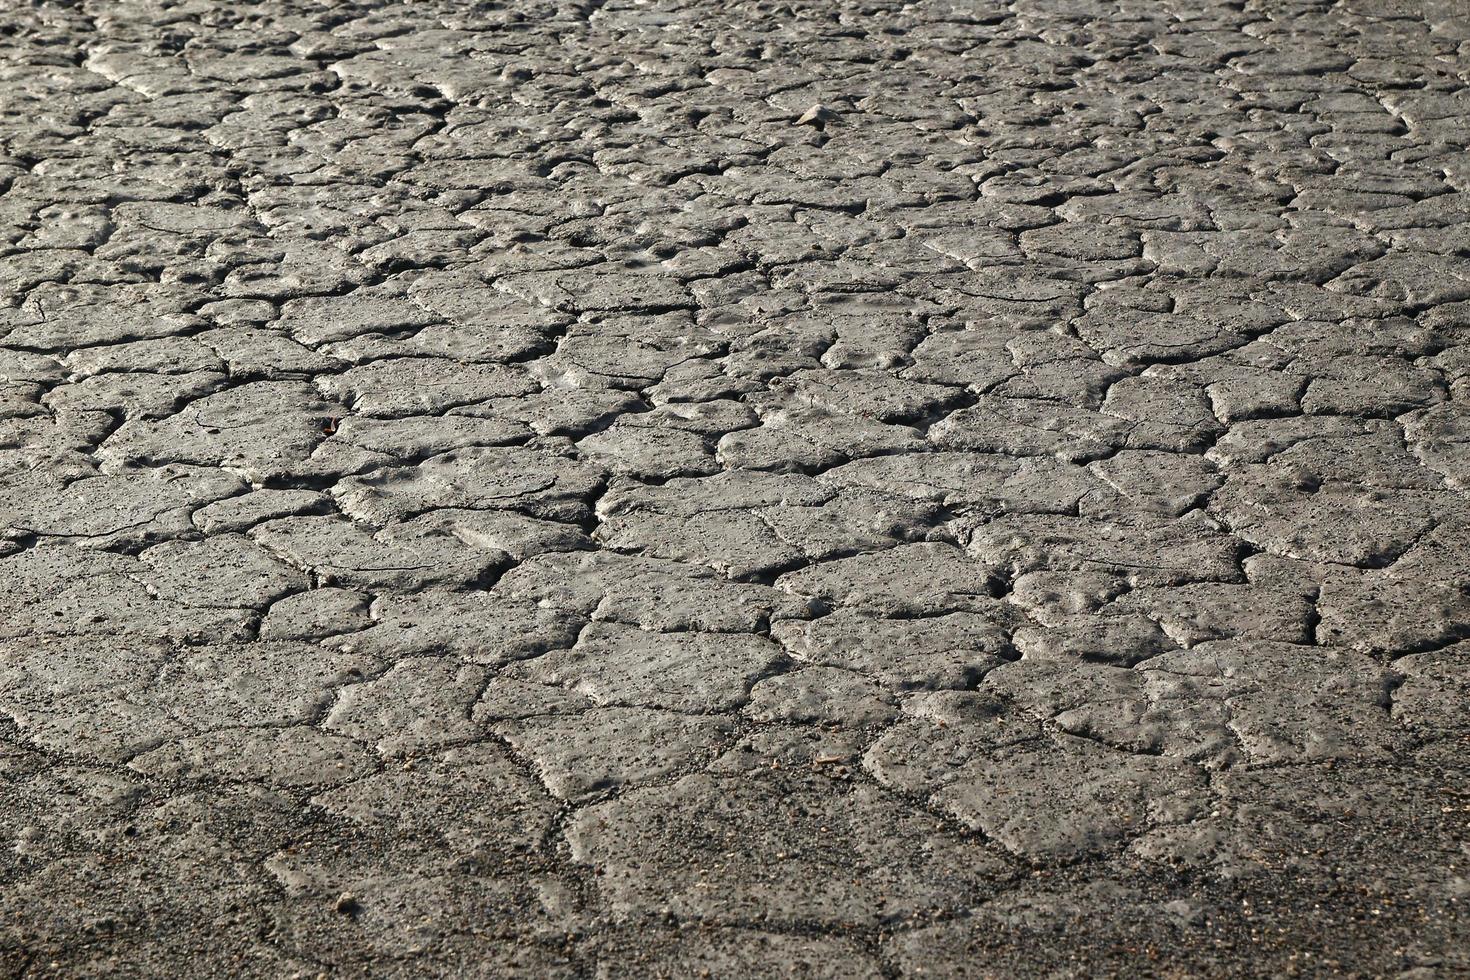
(734, 489)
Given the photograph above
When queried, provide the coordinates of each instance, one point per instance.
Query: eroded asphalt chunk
(737, 489)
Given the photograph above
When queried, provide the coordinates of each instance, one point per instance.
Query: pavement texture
(735, 489)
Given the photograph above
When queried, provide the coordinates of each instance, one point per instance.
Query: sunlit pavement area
(734, 489)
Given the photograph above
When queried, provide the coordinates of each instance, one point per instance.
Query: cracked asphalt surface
(735, 489)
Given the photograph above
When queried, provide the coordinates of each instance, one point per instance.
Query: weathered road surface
(542, 489)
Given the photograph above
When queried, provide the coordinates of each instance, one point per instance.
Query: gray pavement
(734, 489)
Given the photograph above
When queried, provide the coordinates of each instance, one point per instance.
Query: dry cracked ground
(734, 489)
